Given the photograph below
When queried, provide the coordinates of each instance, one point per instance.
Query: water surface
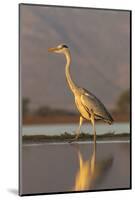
(64, 167)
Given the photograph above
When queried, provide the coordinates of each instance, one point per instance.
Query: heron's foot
(75, 139)
(71, 140)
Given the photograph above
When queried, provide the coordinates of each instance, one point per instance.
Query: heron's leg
(78, 130)
(94, 130)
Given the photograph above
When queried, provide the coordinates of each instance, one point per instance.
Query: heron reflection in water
(90, 172)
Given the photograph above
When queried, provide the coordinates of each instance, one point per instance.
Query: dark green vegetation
(123, 103)
(25, 106)
(66, 137)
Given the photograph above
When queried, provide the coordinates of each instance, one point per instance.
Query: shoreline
(66, 137)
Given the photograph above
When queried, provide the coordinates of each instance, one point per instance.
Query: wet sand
(52, 168)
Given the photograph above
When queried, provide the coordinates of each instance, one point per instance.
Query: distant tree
(46, 110)
(43, 111)
(25, 106)
(123, 103)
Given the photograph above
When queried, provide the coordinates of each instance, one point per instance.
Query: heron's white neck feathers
(72, 85)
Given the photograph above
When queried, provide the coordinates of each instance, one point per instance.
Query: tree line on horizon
(122, 106)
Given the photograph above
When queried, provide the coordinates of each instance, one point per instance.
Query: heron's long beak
(52, 49)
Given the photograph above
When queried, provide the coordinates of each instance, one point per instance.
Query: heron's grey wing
(91, 102)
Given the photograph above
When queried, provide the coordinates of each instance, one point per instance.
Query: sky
(99, 42)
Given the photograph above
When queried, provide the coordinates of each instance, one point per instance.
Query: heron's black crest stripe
(65, 46)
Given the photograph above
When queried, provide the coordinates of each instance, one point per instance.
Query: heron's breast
(81, 108)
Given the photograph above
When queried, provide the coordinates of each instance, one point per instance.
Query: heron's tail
(110, 120)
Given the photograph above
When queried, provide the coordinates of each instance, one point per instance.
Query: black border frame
(19, 105)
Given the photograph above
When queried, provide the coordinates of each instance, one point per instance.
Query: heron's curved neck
(72, 85)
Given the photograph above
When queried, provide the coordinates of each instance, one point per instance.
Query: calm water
(64, 167)
(70, 128)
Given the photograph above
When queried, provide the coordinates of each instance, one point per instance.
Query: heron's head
(62, 48)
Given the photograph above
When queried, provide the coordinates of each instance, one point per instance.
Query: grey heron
(88, 105)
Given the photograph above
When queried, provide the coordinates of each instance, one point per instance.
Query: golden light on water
(84, 175)
(90, 171)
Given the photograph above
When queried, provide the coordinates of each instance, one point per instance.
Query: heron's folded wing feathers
(93, 103)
